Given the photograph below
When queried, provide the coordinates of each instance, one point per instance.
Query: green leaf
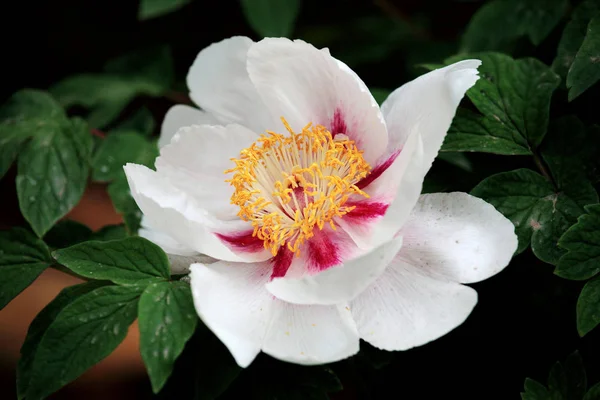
(271, 18)
(27, 113)
(145, 72)
(536, 391)
(588, 307)
(120, 195)
(67, 233)
(585, 70)
(38, 328)
(474, 132)
(83, 333)
(500, 21)
(141, 121)
(573, 35)
(514, 98)
(23, 257)
(110, 232)
(119, 149)
(457, 159)
(593, 393)
(564, 383)
(539, 213)
(582, 241)
(155, 8)
(130, 261)
(167, 319)
(380, 94)
(52, 173)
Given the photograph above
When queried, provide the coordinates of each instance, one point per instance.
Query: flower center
(287, 185)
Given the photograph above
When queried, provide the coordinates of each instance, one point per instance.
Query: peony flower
(305, 196)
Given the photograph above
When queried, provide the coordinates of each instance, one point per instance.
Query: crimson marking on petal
(322, 253)
(243, 241)
(366, 210)
(338, 125)
(281, 262)
(377, 171)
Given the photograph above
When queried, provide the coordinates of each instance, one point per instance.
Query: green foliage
(514, 98)
(39, 326)
(573, 35)
(126, 143)
(585, 70)
(146, 72)
(499, 22)
(588, 307)
(156, 8)
(83, 332)
(130, 261)
(53, 156)
(23, 257)
(582, 241)
(565, 382)
(167, 320)
(271, 18)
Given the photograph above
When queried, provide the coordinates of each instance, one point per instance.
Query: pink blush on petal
(366, 210)
(322, 252)
(377, 171)
(243, 242)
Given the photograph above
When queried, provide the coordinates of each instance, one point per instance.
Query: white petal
(428, 104)
(232, 301)
(459, 236)
(406, 307)
(418, 115)
(303, 84)
(177, 214)
(196, 159)
(219, 83)
(179, 116)
(337, 284)
(310, 334)
(180, 256)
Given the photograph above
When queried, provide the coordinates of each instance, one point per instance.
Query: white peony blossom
(296, 200)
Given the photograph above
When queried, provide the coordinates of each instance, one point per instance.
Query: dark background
(525, 318)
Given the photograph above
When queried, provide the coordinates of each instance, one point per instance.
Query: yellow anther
(288, 185)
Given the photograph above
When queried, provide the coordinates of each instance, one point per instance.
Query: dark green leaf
(155, 8)
(593, 393)
(459, 160)
(110, 232)
(588, 307)
(128, 261)
(52, 173)
(23, 257)
(566, 382)
(67, 233)
(27, 113)
(83, 333)
(536, 391)
(141, 122)
(585, 70)
(271, 18)
(582, 241)
(540, 215)
(500, 21)
(573, 35)
(514, 98)
(167, 319)
(120, 195)
(380, 94)
(145, 72)
(474, 132)
(117, 150)
(38, 328)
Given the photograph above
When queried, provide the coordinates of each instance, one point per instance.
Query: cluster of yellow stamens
(285, 185)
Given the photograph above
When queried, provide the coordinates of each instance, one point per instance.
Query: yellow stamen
(287, 185)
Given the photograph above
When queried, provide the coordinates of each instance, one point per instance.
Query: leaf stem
(544, 170)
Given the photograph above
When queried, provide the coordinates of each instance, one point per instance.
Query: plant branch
(67, 271)
(544, 170)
